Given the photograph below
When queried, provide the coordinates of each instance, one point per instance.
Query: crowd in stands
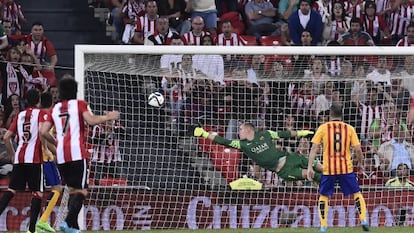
(375, 91)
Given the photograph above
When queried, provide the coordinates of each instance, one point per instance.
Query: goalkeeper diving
(259, 146)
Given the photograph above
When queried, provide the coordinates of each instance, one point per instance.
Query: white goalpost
(148, 172)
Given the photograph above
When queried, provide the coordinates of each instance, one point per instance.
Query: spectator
(42, 47)
(381, 75)
(194, 36)
(380, 129)
(286, 7)
(163, 34)
(5, 31)
(306, 38)
(371, 174)
(146, 24)
(260, 15)
(116, 8)
(399, 19)
(175, 12)
(231, 5)
(169, 63)
(243, 97)
(53, 89)
(355, 36)
(327, 97)
(12, 12)
(374, 24)
(11, 109)
(210, 65)
(132, 10)
(402, 177)
(106, 152)
(354, 8)
(337, 24)
(305, 18)
(408, 73)
(317, 74)
(397, 150)
(207, 10)
(407, 40)
(6, 159)
(256, 69)
(228, 38)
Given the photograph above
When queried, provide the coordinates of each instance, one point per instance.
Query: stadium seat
(249, 40)
(4, 182)
(206, 144)
(227, 161)
(270, 40)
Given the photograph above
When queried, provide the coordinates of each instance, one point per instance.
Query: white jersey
(70, 130)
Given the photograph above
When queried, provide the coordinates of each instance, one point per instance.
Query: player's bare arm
(312, 155)
(92, 119)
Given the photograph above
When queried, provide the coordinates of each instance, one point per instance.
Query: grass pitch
(278, 230)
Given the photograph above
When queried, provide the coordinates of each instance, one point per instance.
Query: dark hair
(37, 23)
(206, 36)
(33, 97)
(355, 20)
(335, 110)
(68, 89)
(46, 100)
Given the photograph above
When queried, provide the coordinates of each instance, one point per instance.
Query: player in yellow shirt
(337, 138)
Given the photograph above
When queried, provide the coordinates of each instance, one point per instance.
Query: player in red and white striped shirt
(27, 167)
(68, 117)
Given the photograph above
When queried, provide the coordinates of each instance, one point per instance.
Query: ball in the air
(156, 99)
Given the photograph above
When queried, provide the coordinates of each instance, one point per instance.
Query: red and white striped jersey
(70, 130)
(404, 42)
(367, 114)
(146, 26)
(234, 40)
(190, 39)
(400, 19)
(354, 10)
(374, 26)
(26, 125)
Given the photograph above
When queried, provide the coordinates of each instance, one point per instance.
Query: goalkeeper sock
(74, 206)
(323, 210)
(52, 200)
(361, 206)
(7, 196)
(34, 211)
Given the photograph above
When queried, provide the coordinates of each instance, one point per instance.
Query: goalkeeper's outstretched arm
(289, 133)
(200, 132)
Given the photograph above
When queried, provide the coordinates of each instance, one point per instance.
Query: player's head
(68, 89)
(46, 100)
(33, 97)
(335, 111)
(246, 130)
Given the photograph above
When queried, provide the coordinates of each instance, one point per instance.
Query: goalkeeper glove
(200, 132)
(303, 133)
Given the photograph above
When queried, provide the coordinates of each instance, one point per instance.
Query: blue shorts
(51, 173)
(347, 182)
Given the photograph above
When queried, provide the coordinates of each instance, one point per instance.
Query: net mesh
(164, 178)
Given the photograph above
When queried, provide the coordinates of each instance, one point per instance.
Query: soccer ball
(156, 99)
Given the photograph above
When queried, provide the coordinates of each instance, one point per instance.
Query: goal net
(148, 172)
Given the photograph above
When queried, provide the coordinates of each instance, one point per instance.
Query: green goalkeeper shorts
(294, 165)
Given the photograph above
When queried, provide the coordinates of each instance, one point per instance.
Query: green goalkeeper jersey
(261, 149)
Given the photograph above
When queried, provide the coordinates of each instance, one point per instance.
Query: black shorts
(75, 174)
(27, 173)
